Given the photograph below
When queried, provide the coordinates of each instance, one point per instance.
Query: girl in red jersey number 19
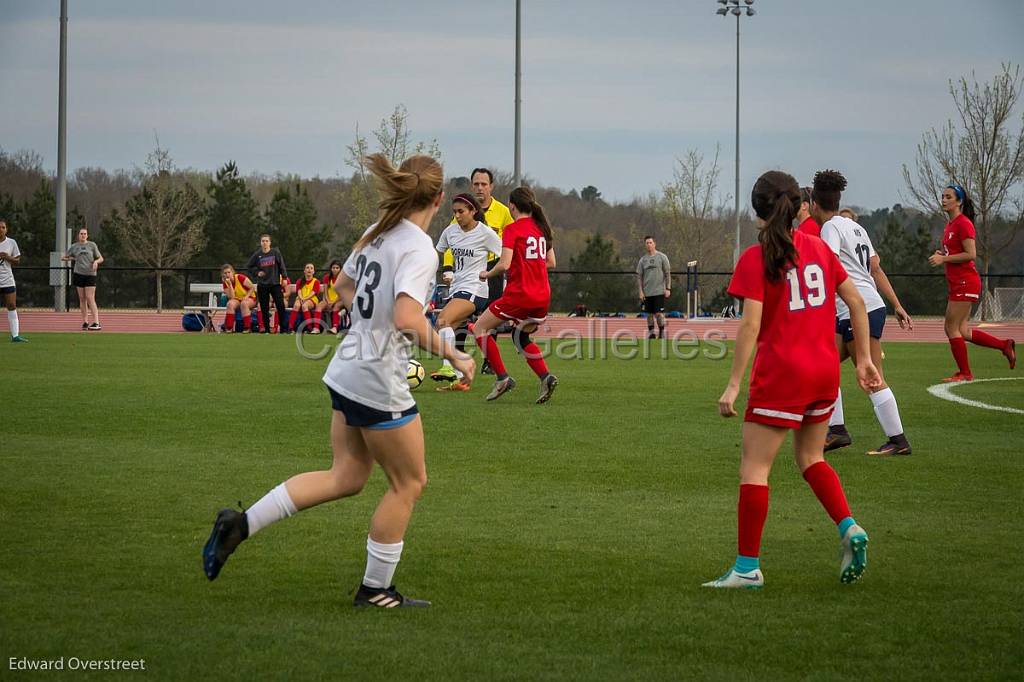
(788, 283)
(957, 255)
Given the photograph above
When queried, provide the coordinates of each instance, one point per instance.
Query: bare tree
(980, 152)
(162, 225)
(690, 211)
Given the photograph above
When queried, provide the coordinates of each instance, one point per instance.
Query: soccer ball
(415, 374)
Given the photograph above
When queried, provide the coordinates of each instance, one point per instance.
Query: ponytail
(776, 200)
(410, 187)
(525, 202)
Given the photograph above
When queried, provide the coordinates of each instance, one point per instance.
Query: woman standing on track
(87, 259)
(957, 255)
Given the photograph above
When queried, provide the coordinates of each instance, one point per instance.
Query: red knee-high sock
(981, 338)
(534, 359)
(490, 350)
(259, 318)
(959, 348)
(336, 316)
(751, 513)
(306, 315)
(826, 486)
(229, 321)
(316, 318)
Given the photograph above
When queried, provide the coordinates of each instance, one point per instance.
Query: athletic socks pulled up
(489, 348)
(980, 338)
(272, 507)
(959, 349)
(837, 417)
(13, 323)
(381, 562)
(535, 360)
(826, 486)
(888, 412)
(751, 513)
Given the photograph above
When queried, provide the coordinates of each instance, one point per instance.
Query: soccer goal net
(1003, 303)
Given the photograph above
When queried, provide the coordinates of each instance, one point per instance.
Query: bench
(212, 307)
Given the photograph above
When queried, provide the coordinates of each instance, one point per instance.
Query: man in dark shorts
(266, 268)
(654, 277)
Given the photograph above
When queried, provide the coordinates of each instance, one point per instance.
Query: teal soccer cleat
(855, 554)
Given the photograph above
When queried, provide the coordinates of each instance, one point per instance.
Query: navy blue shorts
(479, 301)
(6, 291)
(876, 321)
(357, 414)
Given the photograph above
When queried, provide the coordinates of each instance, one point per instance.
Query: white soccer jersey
(370, 364)
(469, 253)
(10, 247)
(852, 244)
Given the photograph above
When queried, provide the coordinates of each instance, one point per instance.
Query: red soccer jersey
(528, 273)
(811, 227)
(796, 362)
(957, 230)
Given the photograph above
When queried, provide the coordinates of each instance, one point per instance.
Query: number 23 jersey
(796, 362)
(370, 364)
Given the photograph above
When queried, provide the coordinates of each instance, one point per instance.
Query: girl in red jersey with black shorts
(788, 283)
(527, 251)
(958, 254)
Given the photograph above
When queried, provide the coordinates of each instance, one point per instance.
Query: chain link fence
(601, 292)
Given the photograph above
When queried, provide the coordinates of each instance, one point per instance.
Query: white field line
(945, 391)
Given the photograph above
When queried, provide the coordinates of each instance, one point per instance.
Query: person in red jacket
(957, 255)
(527, 252)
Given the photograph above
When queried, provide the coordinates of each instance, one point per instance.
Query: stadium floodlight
(736, 8)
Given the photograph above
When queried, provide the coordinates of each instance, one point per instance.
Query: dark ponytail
(966, 204)
(776, 200)
(525, 202)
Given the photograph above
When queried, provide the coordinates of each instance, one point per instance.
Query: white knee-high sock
(888, 412)
(447, 335)
(12, 322)
(838, 418)
(274, 506)
(381, 562)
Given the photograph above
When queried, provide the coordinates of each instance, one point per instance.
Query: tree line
(161, 217)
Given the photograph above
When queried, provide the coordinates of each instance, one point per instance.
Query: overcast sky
(613, 91)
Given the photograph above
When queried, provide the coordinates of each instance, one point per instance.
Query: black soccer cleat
(229, 530)
(389, 598)
(838, 437)
(897, 445)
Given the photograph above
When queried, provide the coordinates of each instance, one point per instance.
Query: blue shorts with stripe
(362, 416)
(876, 322)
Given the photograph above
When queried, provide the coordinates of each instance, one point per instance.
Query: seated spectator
(579, 311)
(330, 308)
(241, 293)
(307, 299)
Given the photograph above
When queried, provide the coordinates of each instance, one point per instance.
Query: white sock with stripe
(888, 412)
(12, 322)
(381, 562)
(272, 507)
(838, 418)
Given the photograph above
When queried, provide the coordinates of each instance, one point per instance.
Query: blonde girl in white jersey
(386, 284)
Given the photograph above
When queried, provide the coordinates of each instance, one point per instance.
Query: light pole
(519, 99)
(736, 8)
(60, 237)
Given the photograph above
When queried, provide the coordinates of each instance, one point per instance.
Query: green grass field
(560, 541)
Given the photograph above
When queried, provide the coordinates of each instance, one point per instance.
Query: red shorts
(791, 417)
(965, 288)
(518, 311)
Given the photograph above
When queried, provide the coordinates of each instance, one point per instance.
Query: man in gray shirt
(654, 276)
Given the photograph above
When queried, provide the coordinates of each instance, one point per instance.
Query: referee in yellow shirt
(497, 217)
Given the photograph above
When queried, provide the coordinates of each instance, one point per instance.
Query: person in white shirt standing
(10, 255)
(471, 242)
(386, 283)
(851, 243)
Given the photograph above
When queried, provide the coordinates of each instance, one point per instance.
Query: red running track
(929, 330)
